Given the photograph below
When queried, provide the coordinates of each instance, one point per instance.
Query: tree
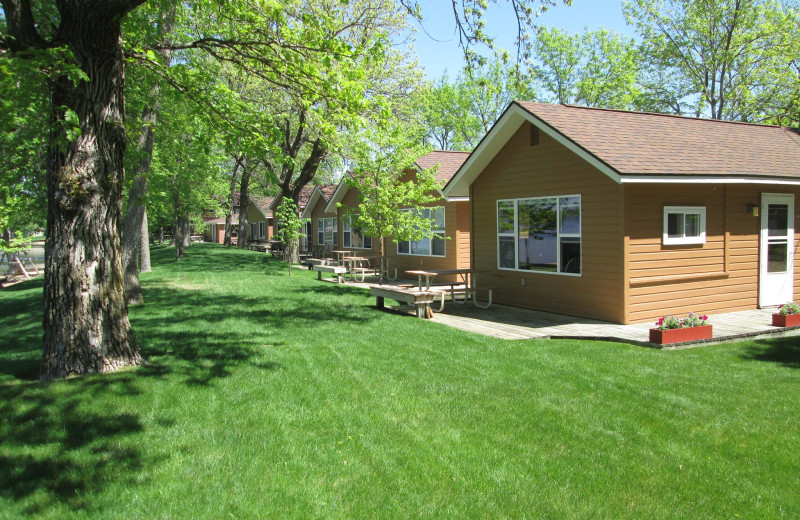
(596, 68)
(389, 206)
(291, 229)
(135, 232)
(738, 58)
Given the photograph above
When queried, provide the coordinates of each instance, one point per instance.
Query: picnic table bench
(420, 299)
(338, 270)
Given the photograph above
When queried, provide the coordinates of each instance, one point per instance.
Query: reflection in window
(540, 234)
(433, 246)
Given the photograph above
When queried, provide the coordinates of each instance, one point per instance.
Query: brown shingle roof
(655, 144)
(449, 162)
(263, 204)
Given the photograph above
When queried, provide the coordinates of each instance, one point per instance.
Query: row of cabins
(607, 214)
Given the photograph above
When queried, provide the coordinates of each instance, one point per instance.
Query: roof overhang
(338, 195)
(706, 179)
(312, 202)
(497, 137)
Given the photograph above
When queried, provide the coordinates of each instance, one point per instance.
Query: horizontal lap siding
(720, 291)
(462, 234)
(549, 169)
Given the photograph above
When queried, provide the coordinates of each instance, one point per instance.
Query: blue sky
(437, 42)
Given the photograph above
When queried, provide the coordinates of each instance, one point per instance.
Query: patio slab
(501, 321)
(505, 322)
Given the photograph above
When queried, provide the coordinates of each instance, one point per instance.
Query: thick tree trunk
(244, 202)
(86, 326)
(144, 248)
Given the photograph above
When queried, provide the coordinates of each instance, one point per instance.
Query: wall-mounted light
(753, 209)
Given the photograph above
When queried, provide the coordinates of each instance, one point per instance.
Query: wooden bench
(440, 289)
(338, 270)
(311, 262)
(420, 299)
(258, 247)
(363, 272)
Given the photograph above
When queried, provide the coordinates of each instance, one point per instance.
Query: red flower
(704, 317)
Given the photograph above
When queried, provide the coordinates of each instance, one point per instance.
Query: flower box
(786, 320)
(663, 337)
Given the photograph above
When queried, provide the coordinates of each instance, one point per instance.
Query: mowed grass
(275, 397)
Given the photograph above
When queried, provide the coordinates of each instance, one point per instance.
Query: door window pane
(778, 220)
(777, 261)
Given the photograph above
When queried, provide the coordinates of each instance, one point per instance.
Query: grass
(275, 397)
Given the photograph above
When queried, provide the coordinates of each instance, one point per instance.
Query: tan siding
(318, 212)
(520, 170)
(723, 290)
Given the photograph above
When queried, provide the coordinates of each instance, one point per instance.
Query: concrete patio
(505, 322)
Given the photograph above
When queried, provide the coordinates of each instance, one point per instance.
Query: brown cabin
(451, 251)
(259, 218)
(308, 195)
(626, 216)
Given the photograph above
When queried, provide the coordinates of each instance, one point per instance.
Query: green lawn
(275, 397)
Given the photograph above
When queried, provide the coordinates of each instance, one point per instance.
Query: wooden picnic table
(467, 277)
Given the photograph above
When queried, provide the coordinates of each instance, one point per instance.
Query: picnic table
(467, 285)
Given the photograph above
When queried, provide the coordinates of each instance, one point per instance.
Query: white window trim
(442, 231)
(684, 210)
(321, 231)
(347, 228)
(559, 235)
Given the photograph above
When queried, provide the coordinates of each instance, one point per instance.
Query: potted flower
(671, 329)
(788, 315)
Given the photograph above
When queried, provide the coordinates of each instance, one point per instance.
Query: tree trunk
(161, 236)
(181, 234)
(231, 195)
(144, 248)
(131, 239)
(86, 327)
(244, 202)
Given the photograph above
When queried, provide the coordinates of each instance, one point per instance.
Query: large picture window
(540, 234)
(434, 246)
(353, 237)
(327, 231)
(684, 225)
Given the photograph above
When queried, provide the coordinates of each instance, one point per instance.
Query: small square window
(684, 225)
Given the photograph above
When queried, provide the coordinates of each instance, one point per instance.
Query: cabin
(626, 217)
(307, 193)
(448, 249)
(321, 228)
(259, 218)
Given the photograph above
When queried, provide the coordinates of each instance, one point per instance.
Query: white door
(776, 269)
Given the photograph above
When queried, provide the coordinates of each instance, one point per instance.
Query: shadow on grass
(784, 351)
(59, 448)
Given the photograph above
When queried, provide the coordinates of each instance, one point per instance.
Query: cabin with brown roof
(259, 217)
(448, 249)
(626, 216)
(309, 195)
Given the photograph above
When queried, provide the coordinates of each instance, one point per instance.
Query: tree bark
(244, 203)
(86, 327)
(231, 196)
(131, 237)
(181, 234)
(144, 248)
